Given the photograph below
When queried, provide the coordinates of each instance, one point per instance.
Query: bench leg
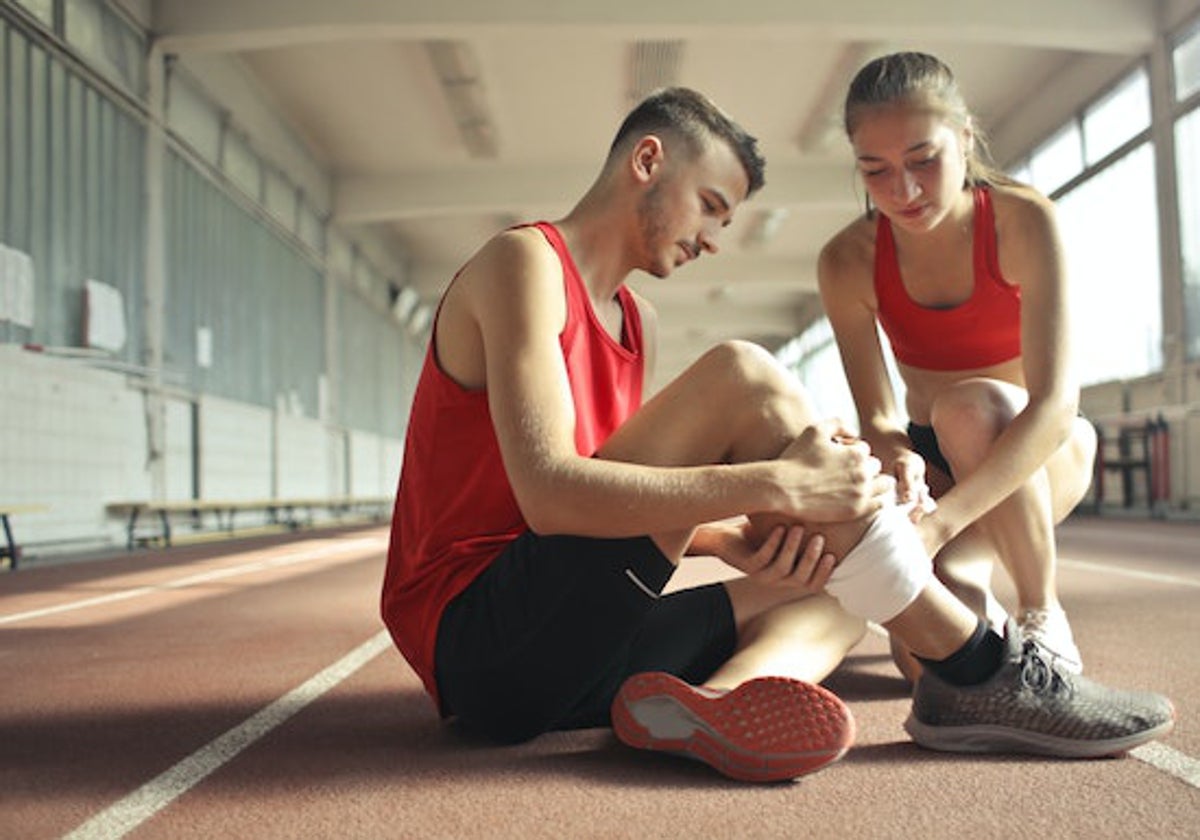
(130, 530)
(165, 519)
(12, 552)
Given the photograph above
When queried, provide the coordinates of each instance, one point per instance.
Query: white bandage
(886, 571)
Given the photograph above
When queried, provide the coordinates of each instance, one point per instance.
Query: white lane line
(1170, 761)
(1105, 568)
(129, 813)
(291, 558)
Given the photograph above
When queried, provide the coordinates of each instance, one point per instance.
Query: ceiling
(371, 88)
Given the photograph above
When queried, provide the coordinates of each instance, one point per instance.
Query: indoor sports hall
(225, 231)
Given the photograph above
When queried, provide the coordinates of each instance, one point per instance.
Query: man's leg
(762, 410)
(750, 720)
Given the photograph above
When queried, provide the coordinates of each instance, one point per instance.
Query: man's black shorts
(545, 636)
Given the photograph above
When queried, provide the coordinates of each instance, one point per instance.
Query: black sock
(974, 662)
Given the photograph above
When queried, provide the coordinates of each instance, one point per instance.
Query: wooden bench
(11, 550)
(282, 512)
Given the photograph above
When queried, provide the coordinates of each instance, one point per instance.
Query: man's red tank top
(455, 510)
(982, 331)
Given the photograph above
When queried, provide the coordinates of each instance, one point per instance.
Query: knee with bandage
(885, 571)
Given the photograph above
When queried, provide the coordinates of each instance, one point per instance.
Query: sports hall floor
(245, 690)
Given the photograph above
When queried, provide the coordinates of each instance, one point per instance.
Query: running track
(245, 689)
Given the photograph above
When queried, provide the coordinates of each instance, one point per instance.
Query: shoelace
(1039, 675)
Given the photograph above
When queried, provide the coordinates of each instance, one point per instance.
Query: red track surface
(116, 671)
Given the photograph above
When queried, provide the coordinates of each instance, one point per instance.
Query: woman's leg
(968, 418)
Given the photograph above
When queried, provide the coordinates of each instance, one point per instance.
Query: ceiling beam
(1115, 26)
(366, 199)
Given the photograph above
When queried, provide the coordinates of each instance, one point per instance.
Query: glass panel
(1058, 160)
(1187, 152)
(280, 198)
(107, 41)
(1109, 228)
(1118, 117)
(192, 117)
(310, 228)
(241, 165)
(1186, 58)
(43, 10)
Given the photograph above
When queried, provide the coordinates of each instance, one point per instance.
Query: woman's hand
(911, 489)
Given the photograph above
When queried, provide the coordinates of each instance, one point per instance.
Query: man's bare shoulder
(509, 256)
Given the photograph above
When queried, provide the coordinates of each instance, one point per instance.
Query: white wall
(374, 464)
(235, 450)
(73, 439)
(303, 452)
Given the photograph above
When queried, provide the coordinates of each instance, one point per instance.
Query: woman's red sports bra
(982, 331)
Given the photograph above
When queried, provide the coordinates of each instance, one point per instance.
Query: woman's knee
(969, 416)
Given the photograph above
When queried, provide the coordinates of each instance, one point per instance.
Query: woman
(963, 269)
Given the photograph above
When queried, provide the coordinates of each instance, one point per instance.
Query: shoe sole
(1002, 739)
(765, 730)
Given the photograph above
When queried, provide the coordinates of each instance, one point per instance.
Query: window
(109, 43)
(1058, 160)
(1109, 227)
(1186, 60)
(43, 10)
(241, 164)
(1187, 150)
(814, 358)
(193, 118)
(1118, 117)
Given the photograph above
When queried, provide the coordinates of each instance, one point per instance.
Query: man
(542, 509)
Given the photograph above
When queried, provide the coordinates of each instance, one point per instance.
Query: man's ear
(647, 157)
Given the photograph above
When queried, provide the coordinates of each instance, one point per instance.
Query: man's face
(688, 203)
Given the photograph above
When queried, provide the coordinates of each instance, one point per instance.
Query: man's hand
(831, 476)
(784, 558)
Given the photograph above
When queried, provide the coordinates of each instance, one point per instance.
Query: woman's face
(912, 162)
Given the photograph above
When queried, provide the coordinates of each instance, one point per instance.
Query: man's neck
(595, 240)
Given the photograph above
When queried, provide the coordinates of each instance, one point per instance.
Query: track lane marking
(1105, 568)
(289, 559)
(1170, 761)
(133, 810)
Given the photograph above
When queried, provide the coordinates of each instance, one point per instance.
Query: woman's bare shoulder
(849, 254)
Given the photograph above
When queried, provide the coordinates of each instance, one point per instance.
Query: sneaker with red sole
(767, 729)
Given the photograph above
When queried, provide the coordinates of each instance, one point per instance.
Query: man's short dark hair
(695, 119)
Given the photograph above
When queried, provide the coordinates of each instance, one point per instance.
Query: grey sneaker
(1051, 630)
(1033, 705)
